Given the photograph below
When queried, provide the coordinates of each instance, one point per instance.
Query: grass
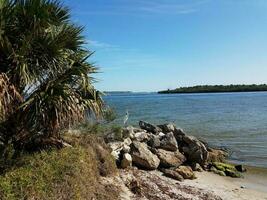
(69, 173)
(102, 130)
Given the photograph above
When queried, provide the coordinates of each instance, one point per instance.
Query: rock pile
(169, 149)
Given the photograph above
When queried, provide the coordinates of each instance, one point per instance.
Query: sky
(152, 45)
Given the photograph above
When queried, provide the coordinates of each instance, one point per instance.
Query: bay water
(235, 121)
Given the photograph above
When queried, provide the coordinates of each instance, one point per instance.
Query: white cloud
(147, 7)
(103, 46)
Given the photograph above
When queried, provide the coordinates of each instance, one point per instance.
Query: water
(236, 121)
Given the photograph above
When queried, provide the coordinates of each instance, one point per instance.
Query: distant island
(217, 89)
(116, 92)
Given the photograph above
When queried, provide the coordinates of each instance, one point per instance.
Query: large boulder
(141, 136)
(170, 159)
(170, 127)
(186, 172)
(154, 141)
(194, 150)
(143, 157)
(216, 155)
(149, 127)
(168, 142)
(166, 128)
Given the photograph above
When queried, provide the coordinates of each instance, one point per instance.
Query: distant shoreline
(216, 89)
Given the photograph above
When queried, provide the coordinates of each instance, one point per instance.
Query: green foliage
(117, 131)
(45, 77)
(70, 173)
(217, 88)
(102, 130)
(109, 114)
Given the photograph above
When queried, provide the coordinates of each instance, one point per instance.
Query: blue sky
(150, 45)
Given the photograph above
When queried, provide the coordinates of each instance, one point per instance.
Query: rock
(143, 157)
(161, 134)
(136, 130)
(213, 169)
(126, 161)
(172, 174)
(128, 131)
(141, 136)
(216, 171)
(194, 150)
(127, 141)
(154, 141)
(170, 159)
(116, 148)
(115, 155)
(240, 168)
(196, 167)
(216, 155)
(126, 149)
(223, 166)
(132, 136)
(149, 127)
(233, 174)
(228, 169)
(186, 172)
(178, 133)
(166, 128)
(169, 143)
(221, 173)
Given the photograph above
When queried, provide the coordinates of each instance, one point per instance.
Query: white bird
(126, 117)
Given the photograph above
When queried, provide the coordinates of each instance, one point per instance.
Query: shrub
(69, 173)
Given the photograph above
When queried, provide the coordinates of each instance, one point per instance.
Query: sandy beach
(252, 187)
(208, 186)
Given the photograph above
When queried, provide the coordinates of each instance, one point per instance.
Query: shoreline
(252, 186)
(208, 186)
(255, 178)
(165, 155)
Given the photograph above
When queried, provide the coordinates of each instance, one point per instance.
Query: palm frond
(46, 81)
(8, 97)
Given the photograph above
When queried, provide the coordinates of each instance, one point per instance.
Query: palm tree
(45, 76)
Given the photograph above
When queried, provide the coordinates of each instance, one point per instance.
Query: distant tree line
(217, 88)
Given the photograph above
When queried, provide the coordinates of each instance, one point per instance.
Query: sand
(252, 187)
(208, 186)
